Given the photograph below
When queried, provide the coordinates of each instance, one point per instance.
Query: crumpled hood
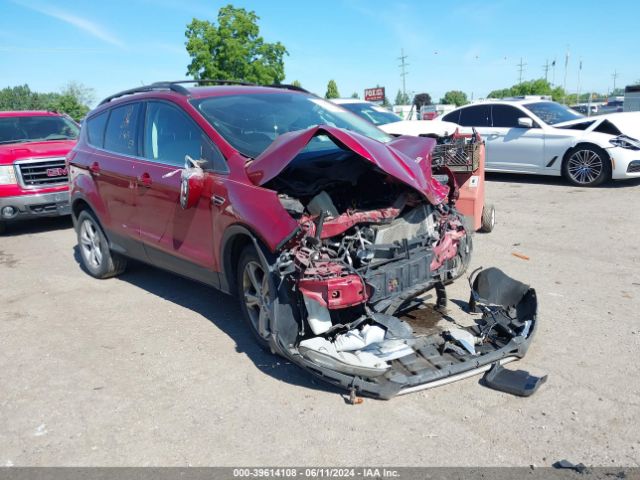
(627, 122)
(407, 159)
(18, 151)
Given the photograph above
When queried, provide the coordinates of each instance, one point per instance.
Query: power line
(403, 72)
(521, 69)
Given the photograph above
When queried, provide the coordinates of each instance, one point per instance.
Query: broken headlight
(623, 141)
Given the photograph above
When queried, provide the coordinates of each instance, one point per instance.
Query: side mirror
(525, 122)
(192, 181)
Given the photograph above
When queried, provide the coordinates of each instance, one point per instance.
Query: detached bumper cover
(506, 329)
(37, 205)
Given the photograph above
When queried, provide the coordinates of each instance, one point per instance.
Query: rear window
(476, 116)
(121, 134)
(95, 129)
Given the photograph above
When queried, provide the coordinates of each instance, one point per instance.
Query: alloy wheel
(585, 166)
(90, 243)
(255, 289)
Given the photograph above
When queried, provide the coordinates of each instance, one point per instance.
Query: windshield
(37, 128)
(552, 113)
(251, 122)
(375, 114)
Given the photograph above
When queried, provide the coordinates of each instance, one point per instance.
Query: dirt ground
(151, 369)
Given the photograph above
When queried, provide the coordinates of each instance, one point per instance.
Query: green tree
(530, 87)
(72, 100)
(355, 95)
(296, 83)
(402, 98)
(332, 90)
(454, 97)
(233, 49)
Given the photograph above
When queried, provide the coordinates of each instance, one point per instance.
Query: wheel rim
(585, 166)
(255, 288)
(90, 243)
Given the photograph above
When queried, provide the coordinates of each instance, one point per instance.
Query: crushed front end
(368, 247)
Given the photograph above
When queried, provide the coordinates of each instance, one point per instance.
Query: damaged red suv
(324, 227)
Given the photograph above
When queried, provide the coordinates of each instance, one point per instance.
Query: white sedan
(543, 137)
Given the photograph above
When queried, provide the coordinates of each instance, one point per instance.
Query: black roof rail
(176, 86)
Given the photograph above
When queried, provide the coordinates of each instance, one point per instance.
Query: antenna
(403, 72)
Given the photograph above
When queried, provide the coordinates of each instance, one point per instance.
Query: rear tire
(97, 258)
(254, 293)
(488, 218)
(586, 166)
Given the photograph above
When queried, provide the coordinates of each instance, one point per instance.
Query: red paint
(336, 292)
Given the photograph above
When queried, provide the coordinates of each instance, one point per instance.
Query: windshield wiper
(18, 140)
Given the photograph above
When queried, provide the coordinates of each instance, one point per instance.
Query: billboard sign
(374, 94)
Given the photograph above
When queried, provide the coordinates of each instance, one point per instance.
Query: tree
(402, 98)
(332, 90)
(233, 49)
(454, 97)
(355, 95)
(530, 87)
(296, 83)
(72, 100)
(421, 99)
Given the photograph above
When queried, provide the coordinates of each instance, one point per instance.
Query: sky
(469, 45)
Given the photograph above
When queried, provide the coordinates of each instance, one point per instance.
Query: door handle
(94, 168)
(145, 180)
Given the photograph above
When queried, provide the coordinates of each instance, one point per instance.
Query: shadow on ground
(37, 225)
(222, 311)
(555, 181)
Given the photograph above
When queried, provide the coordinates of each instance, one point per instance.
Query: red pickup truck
(33, 174)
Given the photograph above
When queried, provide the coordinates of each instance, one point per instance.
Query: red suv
(33, 175)
(327, 229)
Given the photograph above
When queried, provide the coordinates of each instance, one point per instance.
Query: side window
(170, 135)
(475, 116)
(95, 129)
(122, 127)
(506, 116)
(453, 117)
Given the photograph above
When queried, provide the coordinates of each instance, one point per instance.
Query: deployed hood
(420, 127)
(627, 122)
(17, 151)
(407, 159)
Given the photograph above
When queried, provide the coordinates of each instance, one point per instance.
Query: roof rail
(176, 86)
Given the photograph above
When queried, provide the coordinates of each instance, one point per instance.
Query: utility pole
(403, 72)
(615, 75)
(564, 83)
(578, 96)
(521, 69)
(546, 67)
(553, 66)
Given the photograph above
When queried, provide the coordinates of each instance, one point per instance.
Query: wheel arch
(583, 143)
(234, 240)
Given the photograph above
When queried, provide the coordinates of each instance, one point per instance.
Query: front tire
(97, 258)
(586, 166)
(254, 292)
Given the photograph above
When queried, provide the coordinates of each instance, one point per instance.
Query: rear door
(174, 238)
(510, 147)
(113, 136)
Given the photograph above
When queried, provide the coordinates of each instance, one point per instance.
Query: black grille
(634, 167)
(459, 156)
(42, 173)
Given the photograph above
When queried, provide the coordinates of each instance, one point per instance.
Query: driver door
(174, 238)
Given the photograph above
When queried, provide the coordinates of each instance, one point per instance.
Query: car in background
(538, 136)
(322, 225)
(369, 111)
(33, 174)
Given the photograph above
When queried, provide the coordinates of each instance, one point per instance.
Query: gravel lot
(150, 369)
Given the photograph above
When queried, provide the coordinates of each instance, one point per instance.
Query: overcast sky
(473, 46)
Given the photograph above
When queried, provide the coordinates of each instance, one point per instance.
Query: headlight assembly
(7, 175)
(624, 141)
